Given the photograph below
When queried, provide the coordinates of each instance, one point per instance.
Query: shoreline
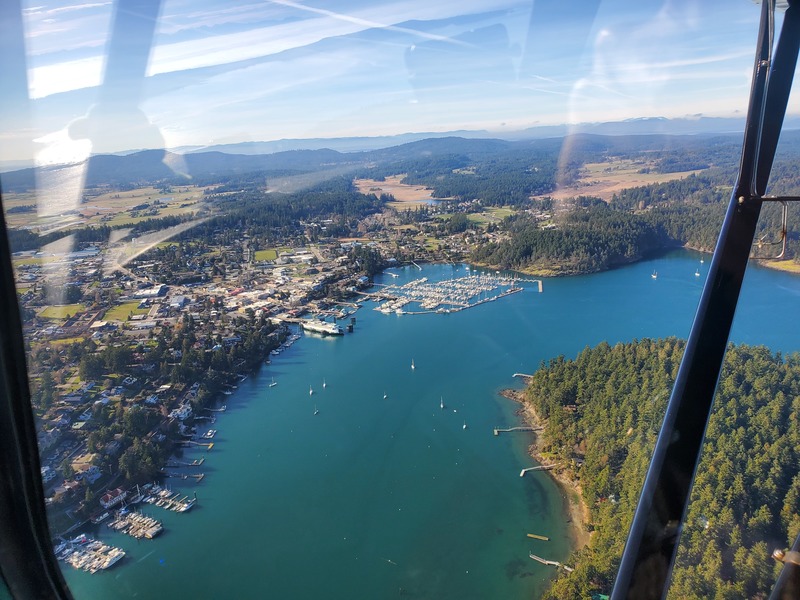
(574, 506)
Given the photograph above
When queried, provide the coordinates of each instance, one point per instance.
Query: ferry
(322, 327)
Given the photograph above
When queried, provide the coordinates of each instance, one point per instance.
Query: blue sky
(222, 71)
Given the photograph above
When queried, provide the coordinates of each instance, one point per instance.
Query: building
(113, 497)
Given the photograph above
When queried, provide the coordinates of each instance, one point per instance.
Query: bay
(379, 497)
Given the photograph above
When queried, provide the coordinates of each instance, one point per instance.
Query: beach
(574, 504)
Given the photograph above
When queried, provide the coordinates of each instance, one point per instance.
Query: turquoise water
(380, 498)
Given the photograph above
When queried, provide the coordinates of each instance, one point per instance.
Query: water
(379, 498)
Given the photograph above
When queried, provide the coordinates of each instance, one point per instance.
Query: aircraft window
(192, 187)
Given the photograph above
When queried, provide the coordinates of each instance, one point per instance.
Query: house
(113, 497)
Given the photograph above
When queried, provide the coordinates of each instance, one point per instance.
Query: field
(121, 312)
(406, 196)
(112, 208)
(60, 312)
(492, 214)
(605, 179)
(270, 254)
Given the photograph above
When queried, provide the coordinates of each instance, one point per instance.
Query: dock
(176, 464)
(193, 443)
(539, 468)
(523, 375)
(498, 430)
(552, 563)
(137, 525)
(544, 538)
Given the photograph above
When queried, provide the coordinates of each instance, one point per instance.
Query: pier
(552, 563)
(498, 430)
(539, 468)
(523, 375)
(193, 443)
(176, 464)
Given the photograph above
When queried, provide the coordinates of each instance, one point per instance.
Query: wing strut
(653, 538)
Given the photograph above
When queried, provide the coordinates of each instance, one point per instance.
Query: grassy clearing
(607, 178)
(490, 215)
(788, 266)
(270, 254)
(60, 312)
(121, 312)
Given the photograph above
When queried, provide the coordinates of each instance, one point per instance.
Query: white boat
(654, 275)
(310, 391)
(464, 426)
(701, 261)
(316, 410)
(274, 383)
(324, 384)
(697, 273)
(441, 402)
(385, 395)
(412, 364)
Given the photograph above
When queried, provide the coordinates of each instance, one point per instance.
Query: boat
(697, 273)
(412, 364)
(385, 395)
(702, 261)
(209, 434)
(274, 383)
(441, 402)
(322, 327)
(100, 518)
(654, 275)
(310, 391)
(316, 410)
(324, 385)
(464, 426)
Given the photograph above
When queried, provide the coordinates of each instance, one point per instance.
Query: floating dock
(544, 538)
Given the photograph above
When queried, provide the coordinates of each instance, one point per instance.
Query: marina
(449, 295)
(86, 554)
(136, 525)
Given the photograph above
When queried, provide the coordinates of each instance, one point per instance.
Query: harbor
(309, 506)
(87, 554)
(136, 525)
(448, 295)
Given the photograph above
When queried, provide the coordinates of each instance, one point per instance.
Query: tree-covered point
(602, 412)
(585, 240)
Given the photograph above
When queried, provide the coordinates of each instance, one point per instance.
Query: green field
(121, 312)
(490, 215)
(61, 312)
(270, 254)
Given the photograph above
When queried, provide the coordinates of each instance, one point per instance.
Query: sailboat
(701, 261)
(274, 383)
(310, 391)
(385, 395)
(441, 402)
(412, 364)
(316, 410)
(654, 275)
(324, 385)
(697, 273)
(464, 426)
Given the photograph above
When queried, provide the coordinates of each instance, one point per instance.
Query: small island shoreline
(573, 503)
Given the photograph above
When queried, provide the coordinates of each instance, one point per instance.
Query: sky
(204, 72)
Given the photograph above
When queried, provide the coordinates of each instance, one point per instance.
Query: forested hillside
(602, 413)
